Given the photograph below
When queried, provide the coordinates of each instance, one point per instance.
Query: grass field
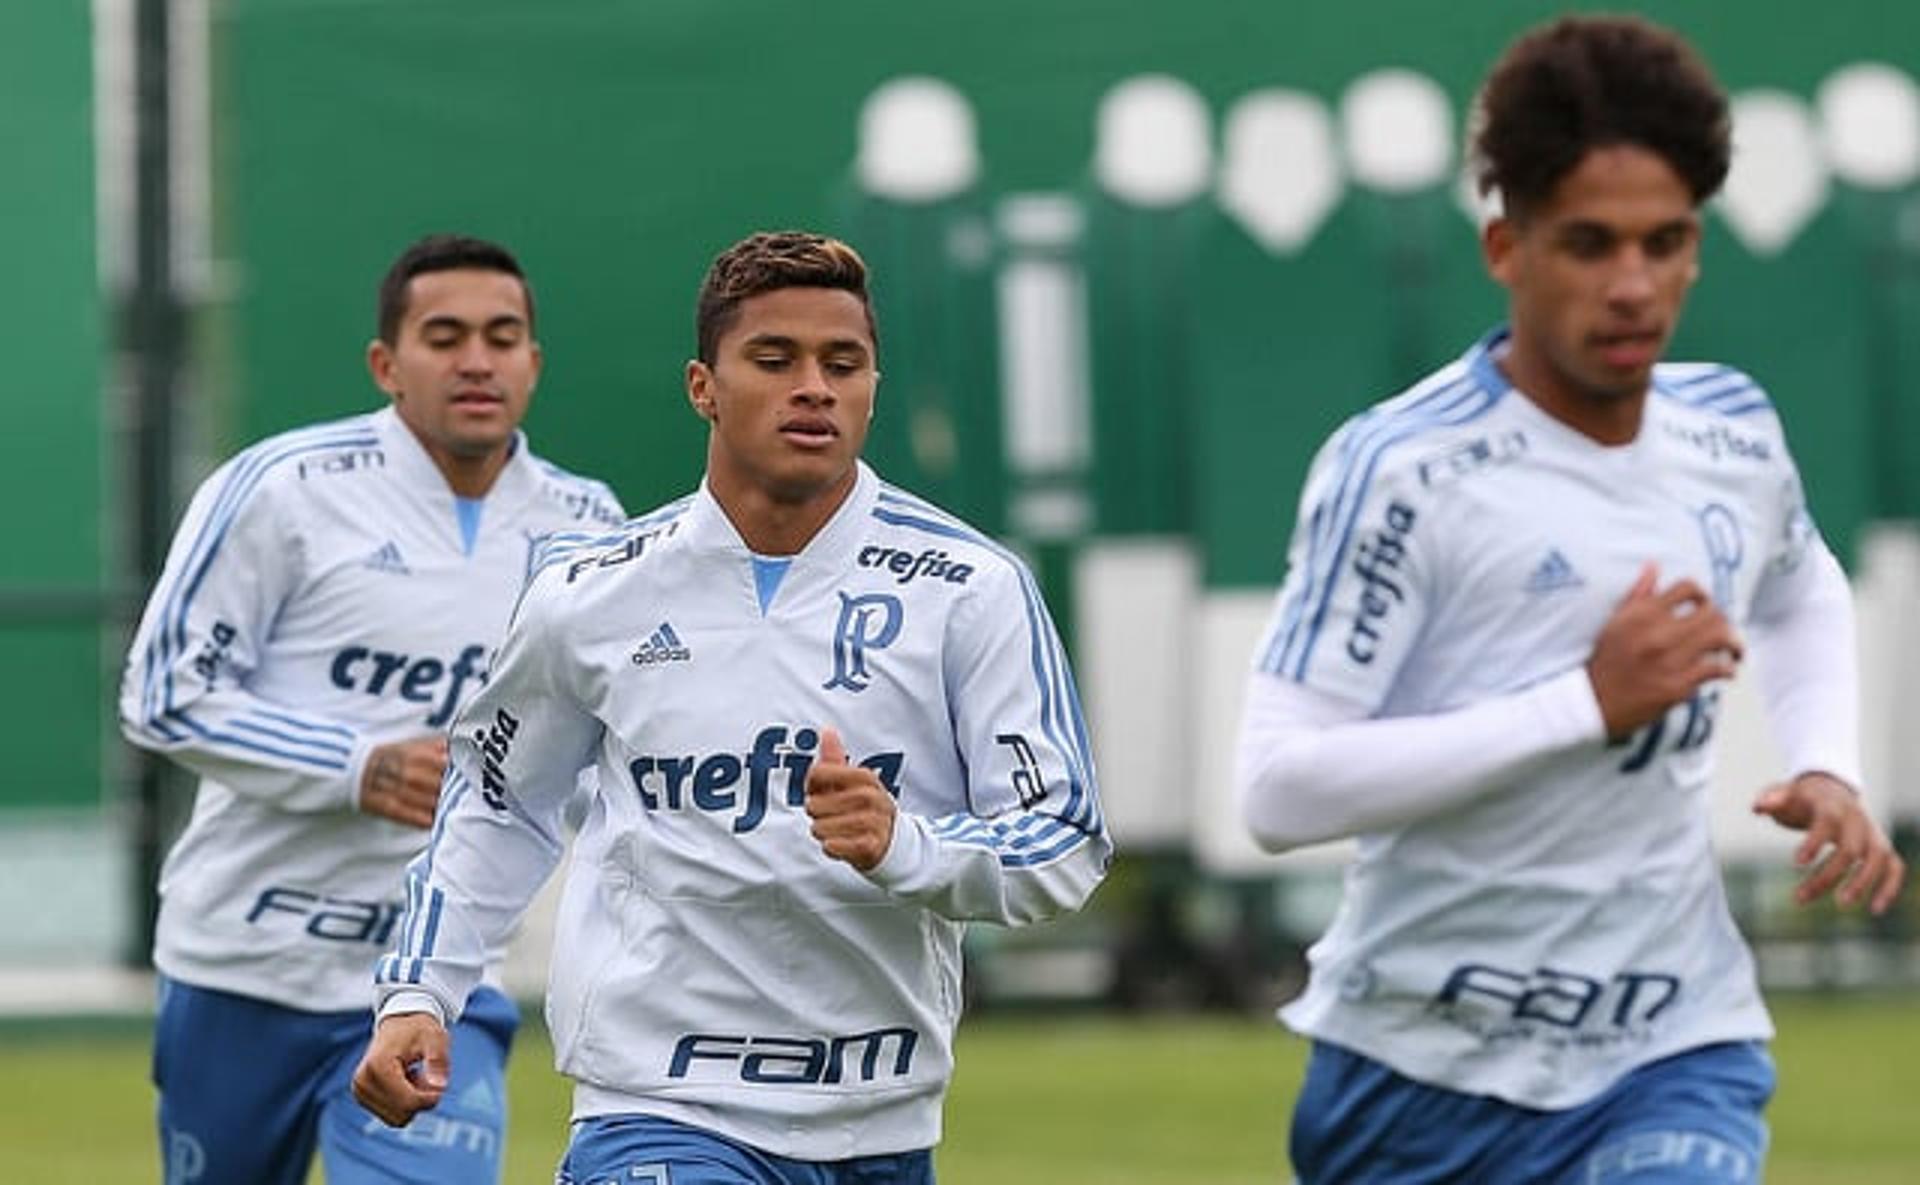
(1038, 1101)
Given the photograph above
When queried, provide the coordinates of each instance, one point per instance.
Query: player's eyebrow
(780, 340)
(836, 345)
(449, 321)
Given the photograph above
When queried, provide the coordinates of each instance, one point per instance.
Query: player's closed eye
(1668, 240)
(1587, 242)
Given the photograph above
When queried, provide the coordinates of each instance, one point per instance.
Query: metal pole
(152, 338)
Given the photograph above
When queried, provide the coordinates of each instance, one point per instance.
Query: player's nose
(810, 382)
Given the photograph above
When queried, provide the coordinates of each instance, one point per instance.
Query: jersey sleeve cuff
(400, 1003)
(906, 855)
(357, 770)
(1567, 710)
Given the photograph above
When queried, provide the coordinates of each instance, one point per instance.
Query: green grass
(1041, 1100)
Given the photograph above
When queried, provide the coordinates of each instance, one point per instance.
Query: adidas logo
(663, 645)
(1553, 574)
(387, 558)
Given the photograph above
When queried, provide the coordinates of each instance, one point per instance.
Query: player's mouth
(1628, 349)
(810, 432)
(478, 399)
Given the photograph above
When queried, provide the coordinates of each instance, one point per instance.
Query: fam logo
(764, 1060)
(1452, 464)
(344, 461)
(331, 919)
(1377, 563)
(630, 549)
(867, 622)
(1561, 999)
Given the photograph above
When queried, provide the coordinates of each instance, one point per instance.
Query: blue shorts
(248, 1089)
(1689, 1119)
(647, 1150)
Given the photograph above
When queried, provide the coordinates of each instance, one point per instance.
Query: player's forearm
(1303, 781)
(296, 761)
(1025, 868)
(465, 896)
(1806, 659)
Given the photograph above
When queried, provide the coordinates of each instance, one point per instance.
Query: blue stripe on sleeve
(1061, 718)
(169, 637)
(1447, 407)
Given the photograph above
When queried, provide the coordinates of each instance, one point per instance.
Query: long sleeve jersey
(1533, 911)
(321, 597)
(711, 964)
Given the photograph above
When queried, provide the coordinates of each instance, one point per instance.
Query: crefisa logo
(1377, 563)
(908, 567)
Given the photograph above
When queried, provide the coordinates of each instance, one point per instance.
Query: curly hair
(768, 261)
(440, 253)
(1586, 82)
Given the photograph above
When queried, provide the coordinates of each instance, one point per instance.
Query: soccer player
(831, 724)
(1513, 598)
(329, 602)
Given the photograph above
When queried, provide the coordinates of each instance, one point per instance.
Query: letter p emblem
(869, 622)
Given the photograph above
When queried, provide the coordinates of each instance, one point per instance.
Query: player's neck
(771, 526)
(469, 476)
(1604, 418)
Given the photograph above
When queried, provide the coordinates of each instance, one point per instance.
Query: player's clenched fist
(852, 812)
(404, 1070)
(1657, 649)
(402, 780)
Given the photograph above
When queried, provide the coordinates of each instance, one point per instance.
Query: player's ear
(700, 389)
(380, 364)
(1498, 239)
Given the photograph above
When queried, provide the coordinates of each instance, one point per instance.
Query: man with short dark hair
(330, 600)
(1512, 600)
(831, 724)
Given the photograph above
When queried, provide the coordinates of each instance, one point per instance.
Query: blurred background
(1133, 262)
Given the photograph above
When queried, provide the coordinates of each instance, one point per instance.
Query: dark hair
(1586, 82)
(766, 262)
(441, 253)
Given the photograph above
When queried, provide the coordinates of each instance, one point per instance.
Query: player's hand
(852, 812)
(1656, 650)
(1844, 849)
(402, 780)
(404, 1070)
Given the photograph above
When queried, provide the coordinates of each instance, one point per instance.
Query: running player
(330, 600)
(831, 724)
(1512, 600)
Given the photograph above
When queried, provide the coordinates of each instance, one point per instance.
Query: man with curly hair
(1513, 598)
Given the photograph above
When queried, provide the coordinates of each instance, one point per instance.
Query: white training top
(1532, 912)
(711, 964)
(319, 600)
